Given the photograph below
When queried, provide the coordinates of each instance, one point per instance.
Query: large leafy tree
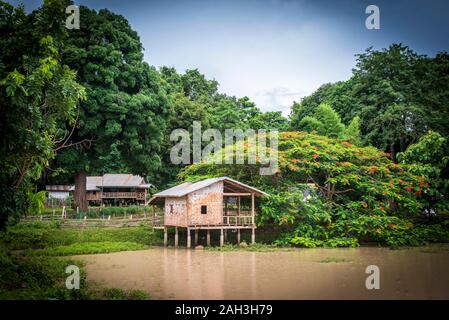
(352, 131)
(39, 95)
(271, 120)
(338, 95)
(123, 121)
(357, 193)
(387, 90)
(326, 121)
(429, 157)
(398, 95)
(194, 98)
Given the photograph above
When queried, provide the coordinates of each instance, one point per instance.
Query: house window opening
(203, 209)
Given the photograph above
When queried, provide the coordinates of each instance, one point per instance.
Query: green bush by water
(37, 235)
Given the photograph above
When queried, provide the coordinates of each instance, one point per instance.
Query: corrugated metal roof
(114, 180)
(92, 183)
(121, 180)
(189, 187)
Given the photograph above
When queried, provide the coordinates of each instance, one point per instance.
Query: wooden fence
(107, 221)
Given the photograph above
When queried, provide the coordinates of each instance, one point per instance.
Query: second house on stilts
(215, 204)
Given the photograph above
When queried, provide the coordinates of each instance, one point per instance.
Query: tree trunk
(393, 155)
(80, 191)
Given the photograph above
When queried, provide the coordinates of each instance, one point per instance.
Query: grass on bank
(31, 269)
(43, 278)
(87, 248)
(39, 235)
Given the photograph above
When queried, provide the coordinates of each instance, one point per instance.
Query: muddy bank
(416, 273)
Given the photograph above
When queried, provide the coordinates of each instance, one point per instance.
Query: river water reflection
(416, 273)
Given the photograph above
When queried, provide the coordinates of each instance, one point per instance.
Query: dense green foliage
(39, 235)
(122, 122)
(195, 98)
(38, 97)
(356, 194)
(429, 157)
(43, 278)
(35, 274)
(398, 95)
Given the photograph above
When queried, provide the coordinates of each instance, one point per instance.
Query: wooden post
(221, 238)
(238, 211)
(208, 238)
(252, 208)
(189, 240)
(165, 237)
(253, 235)
(176, 237)
(196, 237)
(238, 236)
(226, 206)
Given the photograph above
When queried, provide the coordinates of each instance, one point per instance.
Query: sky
(274, 51)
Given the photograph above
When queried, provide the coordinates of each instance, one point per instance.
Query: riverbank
(33, 258)
(33, 262)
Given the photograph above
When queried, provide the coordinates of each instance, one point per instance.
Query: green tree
(311, 124)
(122, 124)
(398, 94)
(352, 131)
(339, 95)
(429, 157)
(271, 120)
(196, 85)
(183, 113)
(357, 193)
(390, 91)
(330, 119)
(39, 96)
(325, 121)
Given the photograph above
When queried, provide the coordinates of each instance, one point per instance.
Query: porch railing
(136, 195)
(238, 220)
(234, 212)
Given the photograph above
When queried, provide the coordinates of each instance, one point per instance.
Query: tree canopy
(359, 193)
(398, 95)
(39, 96)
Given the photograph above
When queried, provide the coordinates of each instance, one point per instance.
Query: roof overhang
(230, 186)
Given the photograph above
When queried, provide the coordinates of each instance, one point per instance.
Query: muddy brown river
(166, 273)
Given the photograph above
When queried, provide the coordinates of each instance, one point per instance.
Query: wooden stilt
(176, 237)
(253, 212)
(238, 236)
(165, 237)
(253, 235)
(196, 237)
(221, 238)
(208, 238)
(189, 240)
